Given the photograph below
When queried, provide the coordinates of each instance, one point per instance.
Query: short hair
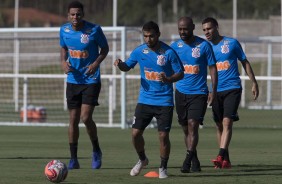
(75, 4)
(151, 26)
(211, 20)
(188, 19)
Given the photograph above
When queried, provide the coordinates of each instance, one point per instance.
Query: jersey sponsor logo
(153, 76)
(225, 65)
(161, 60)
(67, 29)
(225, 48)
(78, 53)
(145, 51)
(196, 52)
(191, 69)
(84, 38)
(180, 44)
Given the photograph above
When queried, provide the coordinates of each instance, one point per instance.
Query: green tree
(137, 12)
(133, 13)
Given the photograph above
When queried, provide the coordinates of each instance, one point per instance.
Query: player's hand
(255, 91)
(66, 66)
(162, 77)
(117, 61)
(210, 99)
(91, 69)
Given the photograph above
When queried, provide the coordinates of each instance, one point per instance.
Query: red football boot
(226, 164)
(218, 162)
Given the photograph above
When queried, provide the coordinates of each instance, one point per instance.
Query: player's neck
(156, 47)
(217, 39)
(78, 27)
(190, 40)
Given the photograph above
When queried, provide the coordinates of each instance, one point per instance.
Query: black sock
(189, 155)
(222, 152)
(195, 157)
(142, 155)
(164, 162)
(95, 145)
(73, 150)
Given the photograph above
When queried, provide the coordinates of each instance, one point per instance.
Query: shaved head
(188, 20)
(186, 28)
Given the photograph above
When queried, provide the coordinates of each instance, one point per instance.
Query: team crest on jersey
(180, 44)
(67, 29)
(145, 51)
(161, 60)
(196, 52)
(225, 48)
(84, 38)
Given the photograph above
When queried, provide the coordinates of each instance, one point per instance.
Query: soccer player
(227, 51)
(80, 59)
(191, 94)
(159, 68)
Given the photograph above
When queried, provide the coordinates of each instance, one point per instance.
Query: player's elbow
(105, 50)
(123, 67)
(178, 76)
(181, 75)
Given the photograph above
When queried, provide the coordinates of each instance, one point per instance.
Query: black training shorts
(190, 107)
(226, 105)
(145, 113)
(78, 94)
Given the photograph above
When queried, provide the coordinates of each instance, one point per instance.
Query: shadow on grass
(236, 170)
(260, 167)
(36, 158)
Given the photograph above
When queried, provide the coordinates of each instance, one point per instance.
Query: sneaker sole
(226, 167)
(136, 174)
(96, 167)
(185, 170)
(217, 164)
(196, 170)
(70, 168)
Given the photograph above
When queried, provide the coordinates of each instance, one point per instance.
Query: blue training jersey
(153, 91)
(196, 57)
(83, 49)
(227, 52)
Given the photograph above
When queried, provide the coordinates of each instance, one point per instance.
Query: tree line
(136, 12)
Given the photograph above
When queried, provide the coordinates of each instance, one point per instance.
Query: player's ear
(69, 16)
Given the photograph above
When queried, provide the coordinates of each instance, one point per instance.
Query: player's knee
(164, 136)
(86, 119)
(136, 133)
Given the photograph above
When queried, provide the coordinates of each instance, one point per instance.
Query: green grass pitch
(24, 152)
